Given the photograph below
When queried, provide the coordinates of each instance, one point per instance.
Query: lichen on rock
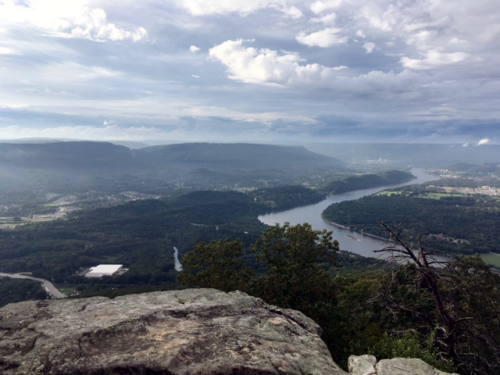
(193, 331)
(367, 365)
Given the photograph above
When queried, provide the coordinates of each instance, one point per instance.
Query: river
(363, 244)
(178, 264)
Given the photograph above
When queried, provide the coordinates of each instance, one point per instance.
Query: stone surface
(362, 365)
(406, 366)
(194, 331)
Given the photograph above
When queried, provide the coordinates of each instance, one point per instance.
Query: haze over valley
(336, 157)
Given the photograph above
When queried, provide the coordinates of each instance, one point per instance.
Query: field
(389, 193)
(438, 195)
(426, 195)
(491, 258)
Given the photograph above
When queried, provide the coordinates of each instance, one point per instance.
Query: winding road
(48, 286)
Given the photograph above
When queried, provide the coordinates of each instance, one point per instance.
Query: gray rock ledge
(367, 365)
(194, 331)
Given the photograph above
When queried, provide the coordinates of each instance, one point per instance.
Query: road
(49, 287)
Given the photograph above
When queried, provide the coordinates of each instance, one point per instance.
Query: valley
(254, 218)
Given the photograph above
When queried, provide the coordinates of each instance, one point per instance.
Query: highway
(49, 287)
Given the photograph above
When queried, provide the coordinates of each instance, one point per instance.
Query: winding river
(361, 244)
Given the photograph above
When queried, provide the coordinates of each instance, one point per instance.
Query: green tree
(458, 303)
(297, 260)
(218, 265)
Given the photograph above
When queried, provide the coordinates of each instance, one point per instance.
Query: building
(104, 270)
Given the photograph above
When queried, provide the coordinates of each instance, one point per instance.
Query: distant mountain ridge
(103, 155)
(237, 155)
(83, 166)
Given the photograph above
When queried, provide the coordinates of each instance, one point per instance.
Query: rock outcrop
(188, 332)
(194, 331)
(367, 365)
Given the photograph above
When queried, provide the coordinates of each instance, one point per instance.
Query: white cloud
(483, 142)
(292, 12)
(265, 66)
(422, 38)
(369, 47)
(194, 49)
(69, 19)
(434, 59)
(457, 41)
(242, 7)
(6, 51)
(327, 19)
(321, 6)
(361, 34)
(107, 132)
(324, 38)
(67, 72)
(377, 18)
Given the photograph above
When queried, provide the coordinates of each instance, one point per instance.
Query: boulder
(362, 365)
(406, 366)
(367, 365)
(194, 331)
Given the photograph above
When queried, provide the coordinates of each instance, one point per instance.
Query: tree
(218, 265)
(295, 259)
(458, 303)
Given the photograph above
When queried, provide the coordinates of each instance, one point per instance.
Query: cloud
(327, 19)
(265, 66)
(483, 142)
(457, 41)
(377, 18)
(194, 49)
(361, 34)
(107, 132)
(6, 51)
(321, 6)
(369, 47)
(434, 59)
(67, 19)
(292, 12)
(241, 7)
(324, 38)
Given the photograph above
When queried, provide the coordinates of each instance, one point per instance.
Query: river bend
(361, 244)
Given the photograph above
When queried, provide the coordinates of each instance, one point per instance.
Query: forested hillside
(460, 224)
(365, 181)
(19, 290)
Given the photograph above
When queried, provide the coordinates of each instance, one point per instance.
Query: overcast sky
(251, 70)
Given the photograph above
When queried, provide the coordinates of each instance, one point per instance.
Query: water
(178, 264)
(362, 244)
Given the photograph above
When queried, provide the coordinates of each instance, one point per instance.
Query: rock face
(194, 331)
(367, 365)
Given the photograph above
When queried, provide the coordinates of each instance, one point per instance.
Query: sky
(251, 70)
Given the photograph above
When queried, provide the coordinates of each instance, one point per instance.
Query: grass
(10, 226)
(389, 193)
(491, 259)
(438, 195)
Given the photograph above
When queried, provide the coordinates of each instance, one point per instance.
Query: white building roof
(104, 269)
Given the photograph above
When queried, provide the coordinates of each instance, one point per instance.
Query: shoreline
(362, 233)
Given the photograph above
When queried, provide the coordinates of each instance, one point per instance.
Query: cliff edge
(188, 332)
(193, 331)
